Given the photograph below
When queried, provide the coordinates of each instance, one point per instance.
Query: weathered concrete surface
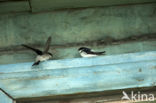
(7, 6)
(11, 57)
(124, 71)
(70, 29)
(103, 97)
(4, 98)
(79, 62)
(45, 5)
(14, 6)
(75, 26)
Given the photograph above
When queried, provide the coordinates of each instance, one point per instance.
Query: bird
(87, 52)
(41, 55)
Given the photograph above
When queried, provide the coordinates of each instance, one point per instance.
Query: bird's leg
(36, 63)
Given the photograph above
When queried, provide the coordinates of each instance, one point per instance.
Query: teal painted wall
(116, 29)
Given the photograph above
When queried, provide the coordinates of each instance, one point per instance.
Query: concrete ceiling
(7, 6)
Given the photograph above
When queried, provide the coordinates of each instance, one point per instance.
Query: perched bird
(87, 52)
(41, 55)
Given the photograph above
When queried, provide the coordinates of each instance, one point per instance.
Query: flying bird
(87, 52)
(41, 55)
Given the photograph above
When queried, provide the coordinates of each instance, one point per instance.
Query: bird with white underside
(87, 52)
(41, 55)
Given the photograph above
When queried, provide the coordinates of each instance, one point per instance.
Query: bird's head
(83, 49)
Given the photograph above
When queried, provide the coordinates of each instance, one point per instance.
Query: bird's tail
(100, 53)
(36, 63)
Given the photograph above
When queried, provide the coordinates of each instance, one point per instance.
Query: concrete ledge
(80, 62)
(88, 75)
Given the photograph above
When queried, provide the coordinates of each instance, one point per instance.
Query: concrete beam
(4, 98)
(14, 6)
(82, 75)
(78, 26)
(47, 5)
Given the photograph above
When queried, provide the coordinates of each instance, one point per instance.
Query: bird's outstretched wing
(47, 45)
(35, 50)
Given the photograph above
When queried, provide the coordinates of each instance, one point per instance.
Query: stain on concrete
(140, 70)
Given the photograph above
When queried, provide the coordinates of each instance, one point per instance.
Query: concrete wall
(116, 29)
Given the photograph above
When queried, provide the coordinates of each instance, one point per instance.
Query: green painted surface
(40, 5)
(71, 52)
(17, 6)
(8, 6)
(71, 29)
(78, 26)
